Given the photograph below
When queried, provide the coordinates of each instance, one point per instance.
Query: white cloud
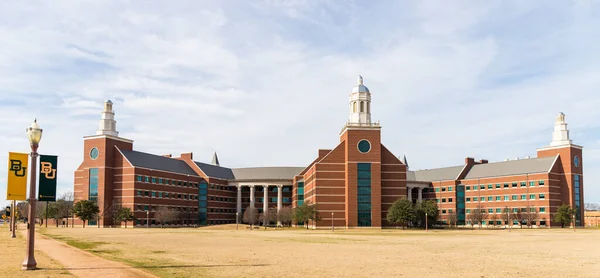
(267, 83)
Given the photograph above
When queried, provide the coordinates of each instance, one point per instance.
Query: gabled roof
(157, 162)
(513, 167)
(447, 173)
(266, 173)
(215, 171)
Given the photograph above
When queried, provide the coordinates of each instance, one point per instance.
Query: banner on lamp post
(47, 178)
(16, 188)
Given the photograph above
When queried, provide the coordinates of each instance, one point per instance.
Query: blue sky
(267, 82)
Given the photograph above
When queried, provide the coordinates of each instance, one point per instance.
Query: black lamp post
(34, 133)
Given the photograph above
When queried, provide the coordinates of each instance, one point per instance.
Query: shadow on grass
(151, 267)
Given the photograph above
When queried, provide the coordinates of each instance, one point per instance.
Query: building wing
(157, 162)
(512, 167)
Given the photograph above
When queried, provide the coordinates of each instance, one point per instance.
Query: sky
(266, 83)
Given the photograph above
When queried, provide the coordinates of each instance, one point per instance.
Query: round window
(364, 146)
(576, 161)
(94, 153)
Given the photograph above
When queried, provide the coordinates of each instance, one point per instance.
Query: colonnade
(420, 193)
(265, 196)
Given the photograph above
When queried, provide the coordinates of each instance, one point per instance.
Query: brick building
(352, 184)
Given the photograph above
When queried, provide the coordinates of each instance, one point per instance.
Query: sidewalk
(81, 263)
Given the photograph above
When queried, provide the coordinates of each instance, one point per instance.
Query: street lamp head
(34, 133)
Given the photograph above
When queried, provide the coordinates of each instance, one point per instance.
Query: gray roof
(215, 171)
(266, 173)
(513, 167)
(157, 162)
(448, 173)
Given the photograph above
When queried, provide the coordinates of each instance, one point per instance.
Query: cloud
(267, 82)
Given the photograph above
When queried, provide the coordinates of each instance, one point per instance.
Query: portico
(265, 187)
(417, 186)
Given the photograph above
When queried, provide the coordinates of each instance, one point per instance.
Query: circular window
(576, 161)
(364, 146)
(94, 153)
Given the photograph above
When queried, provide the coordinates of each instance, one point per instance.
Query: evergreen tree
(401, 212)
(86, 210)
(564, 215)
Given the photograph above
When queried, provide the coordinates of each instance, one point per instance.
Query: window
(523, 197)
(139, 193)
(443, 189)
(475, 199)
(531, 183)
(166, 194)
(482, 187)
(153, 180)
(139, 178)
(443, 200)
(514, 184)
(437, 189)
(468, 210)
(542, 196)
(160, 181)
(93, 195)
(354, 107)
(498, 198)
(541, 182)
(532, 209)
(515, 210)
(506, 185)
(443, 211)
(490, 210)
(542, 209)
(497, 185)
(490, 186)
(515, 197)
(449, 188)
(145, 208)
(449, 200)
(147, 179)
(498, 210)
(364, 193)
(531, 196)
(362, 106)
(490, 198)
(437, 200)
(505, 197)
(160, 194)
(468, 188)
(468, 199)
(523, 184)
(153, 194)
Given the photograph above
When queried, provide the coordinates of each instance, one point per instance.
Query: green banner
(47, 182)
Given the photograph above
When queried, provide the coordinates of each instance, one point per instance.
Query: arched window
(354, 107)
(362, 106)
(368, 107)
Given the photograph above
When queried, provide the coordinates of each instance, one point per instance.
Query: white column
(279, 197)
(265, 198)
(279, 201)
(239, 200)
(420, 194)
(409, 194)
(252, 195)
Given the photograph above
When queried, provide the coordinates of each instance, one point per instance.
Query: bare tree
(531, 216)
(40, 209)
(493, 218)
(69, 198)
(521, 216)
(285, 216)
(251, 216)
(592, 206)
(507, 216)
(452, 219)
(164, 215)
(111, 211)
(477, 216)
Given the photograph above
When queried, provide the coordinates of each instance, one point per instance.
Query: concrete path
(81, 263)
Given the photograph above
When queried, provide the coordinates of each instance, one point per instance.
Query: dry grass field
(223, 252)
(13, 251)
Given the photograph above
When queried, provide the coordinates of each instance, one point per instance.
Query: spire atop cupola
(108, 125)
(360, 104)
(560, 136)
(360, 80)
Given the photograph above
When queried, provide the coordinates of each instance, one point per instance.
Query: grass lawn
(225, 252)
(13, 254)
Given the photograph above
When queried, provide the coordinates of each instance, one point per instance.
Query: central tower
(362, 141)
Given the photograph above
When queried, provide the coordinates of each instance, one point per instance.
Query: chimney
(187, 156)
(483, 161)
(167, 155)
(469, 161)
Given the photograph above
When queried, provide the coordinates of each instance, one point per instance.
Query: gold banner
(17, 176)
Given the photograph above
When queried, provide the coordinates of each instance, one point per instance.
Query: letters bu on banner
(17, 176)
(48, 165)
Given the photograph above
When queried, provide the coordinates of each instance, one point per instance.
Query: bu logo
(17, 168)
(47, 170)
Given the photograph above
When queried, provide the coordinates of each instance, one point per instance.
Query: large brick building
(352, 184)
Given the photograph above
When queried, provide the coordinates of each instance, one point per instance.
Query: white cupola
(108, 125)
(560, 136)
(360, 104)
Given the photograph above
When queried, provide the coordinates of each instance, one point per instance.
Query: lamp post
(426, 228)
(34, 134)
(332, 228)
(237, 218)
(148, 218)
